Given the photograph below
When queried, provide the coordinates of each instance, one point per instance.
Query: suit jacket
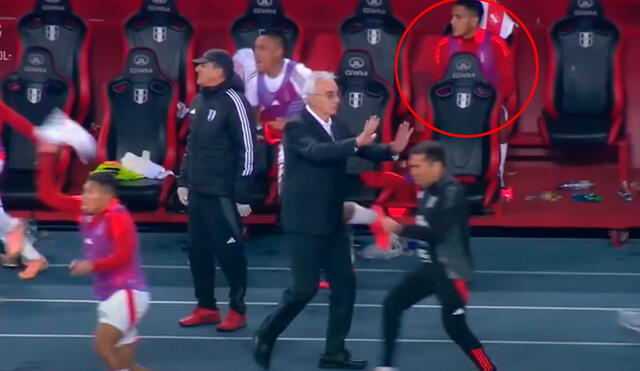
(314, 186)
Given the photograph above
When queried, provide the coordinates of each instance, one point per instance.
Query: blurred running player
(18, 247)
(111, 248)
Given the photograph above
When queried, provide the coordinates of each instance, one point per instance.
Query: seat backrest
(264, 15)
(463, 102)
(585, 45)
(374, 28)
(53, 26)
(33, 91)
(362, 94)
(140, 111)
(160, 27)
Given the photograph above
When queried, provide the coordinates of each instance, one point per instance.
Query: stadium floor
(537, 304)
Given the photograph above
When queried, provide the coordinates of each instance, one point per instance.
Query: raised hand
(402, 137)
(368, 134)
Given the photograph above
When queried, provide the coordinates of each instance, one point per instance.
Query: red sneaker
(323, 285)
(506, 194)
(233, 321)
(383, 239)
(201, 316)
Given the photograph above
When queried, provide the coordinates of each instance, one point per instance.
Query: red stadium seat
(33, 91)
(363, 93)
(463, 102)
(584, 102)
(55, 27)
(262, 15)
(140, 116)
(162, 29)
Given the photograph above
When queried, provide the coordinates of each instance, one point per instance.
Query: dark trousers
(215, 233)
(309, 255)
(426, 280)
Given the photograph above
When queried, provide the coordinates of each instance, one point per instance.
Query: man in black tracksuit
(442, 223)
(214, 181)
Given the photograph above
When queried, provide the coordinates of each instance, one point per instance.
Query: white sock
(29, 252)
(503, 159)
(362, 215)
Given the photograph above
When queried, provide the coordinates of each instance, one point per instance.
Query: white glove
(183, 195)
(181, 110)
(243, 210)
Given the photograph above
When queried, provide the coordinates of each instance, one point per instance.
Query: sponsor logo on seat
(34, 95)
(36, 59)
(160, 6)
(54, 5)
(374, 7)
(585, 39)
(140, 96)
(159, 34)
(264, 7)
(356, 99)
(585, 4)
(141, 60)
(52, 32)
(356, 62)
(463, 100)
(374, 35)
(463, 65)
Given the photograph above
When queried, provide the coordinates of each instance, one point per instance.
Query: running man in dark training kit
(442, 222)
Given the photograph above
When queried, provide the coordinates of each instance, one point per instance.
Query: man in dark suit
(317, 147)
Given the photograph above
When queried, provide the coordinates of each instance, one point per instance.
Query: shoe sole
(199, 324)
(231, 330)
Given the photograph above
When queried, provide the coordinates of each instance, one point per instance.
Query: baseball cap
(220, 58)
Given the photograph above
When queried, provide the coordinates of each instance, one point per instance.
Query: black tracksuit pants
(215, 233)
(426, 280)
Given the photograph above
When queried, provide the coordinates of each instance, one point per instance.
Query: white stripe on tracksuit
(246, 132)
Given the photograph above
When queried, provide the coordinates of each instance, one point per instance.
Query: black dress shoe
(262, 350)
(342, 361)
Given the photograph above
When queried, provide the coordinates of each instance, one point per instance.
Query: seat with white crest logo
(33, 91)
(363, 93)
(264, 15)
(374, 28)
(464, 103)
(584, 105)
(140, 108)
(53, 26)
(160, 27)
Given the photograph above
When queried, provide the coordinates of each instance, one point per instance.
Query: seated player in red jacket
(492, 51)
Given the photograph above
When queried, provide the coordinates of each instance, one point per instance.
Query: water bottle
(586, 197)
(576, 185)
